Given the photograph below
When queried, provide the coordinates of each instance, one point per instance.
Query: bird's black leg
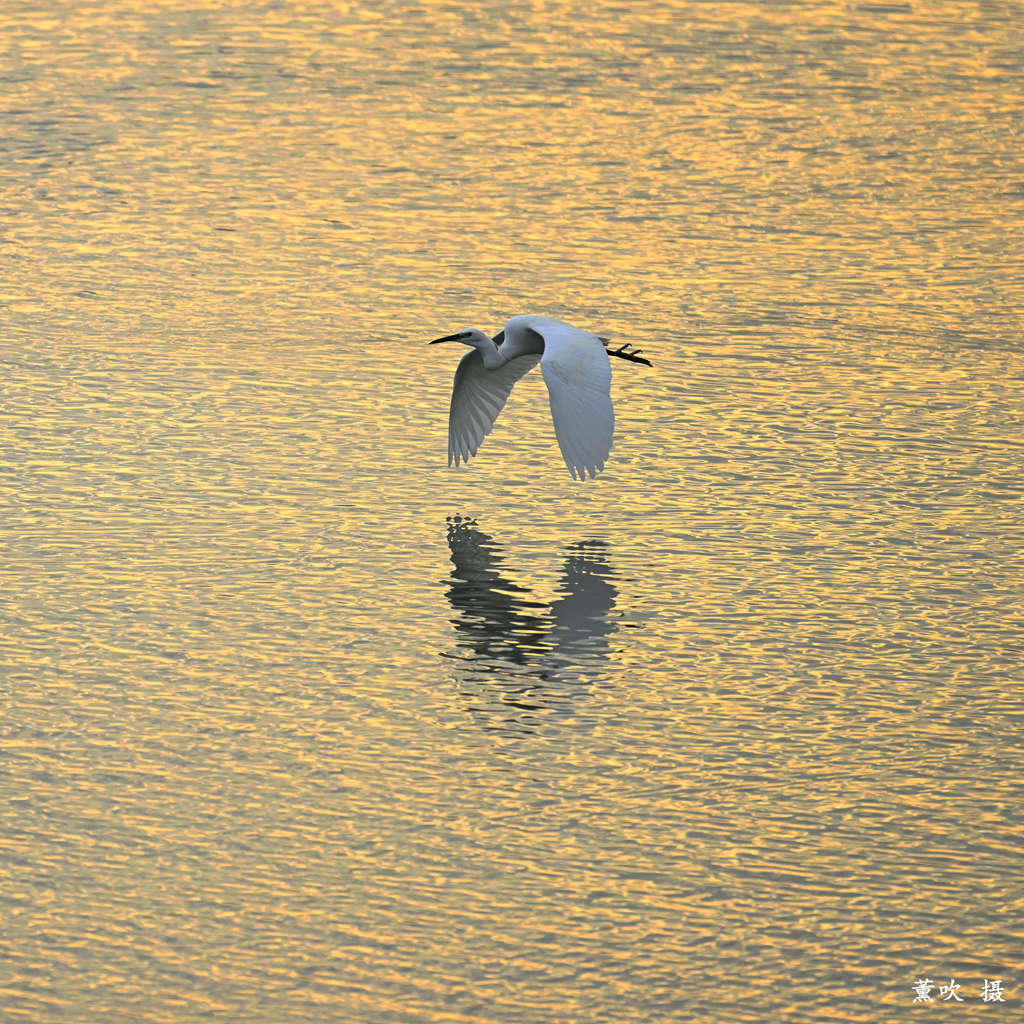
(624, 352)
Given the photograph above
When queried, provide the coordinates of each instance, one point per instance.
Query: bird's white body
(576, 370)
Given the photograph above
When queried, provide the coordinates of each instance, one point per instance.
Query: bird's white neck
(492, 355)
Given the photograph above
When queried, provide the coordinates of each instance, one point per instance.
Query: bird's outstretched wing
(477, 398)
(578, 375)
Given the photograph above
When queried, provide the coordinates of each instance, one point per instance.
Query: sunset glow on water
(301, 725)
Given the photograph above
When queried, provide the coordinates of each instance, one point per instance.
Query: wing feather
(478, 396)
(578, 375)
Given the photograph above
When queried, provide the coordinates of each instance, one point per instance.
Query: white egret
(576, 369)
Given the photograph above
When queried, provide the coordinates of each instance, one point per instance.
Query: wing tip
(582, 473)
(460, 456)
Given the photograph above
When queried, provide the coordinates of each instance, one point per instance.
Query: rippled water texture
(300, 725)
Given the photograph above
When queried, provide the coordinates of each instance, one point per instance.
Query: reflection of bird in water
(495, 621)
(581, 623)
(529, 653)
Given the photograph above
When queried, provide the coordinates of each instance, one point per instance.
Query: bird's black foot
(627, 352)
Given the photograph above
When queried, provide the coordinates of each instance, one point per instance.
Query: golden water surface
(301, 725)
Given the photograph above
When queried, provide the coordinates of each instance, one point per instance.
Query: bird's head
(469, 336)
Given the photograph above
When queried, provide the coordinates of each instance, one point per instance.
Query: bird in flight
(576, 370)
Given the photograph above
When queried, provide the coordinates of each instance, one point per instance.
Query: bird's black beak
(447, 337)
